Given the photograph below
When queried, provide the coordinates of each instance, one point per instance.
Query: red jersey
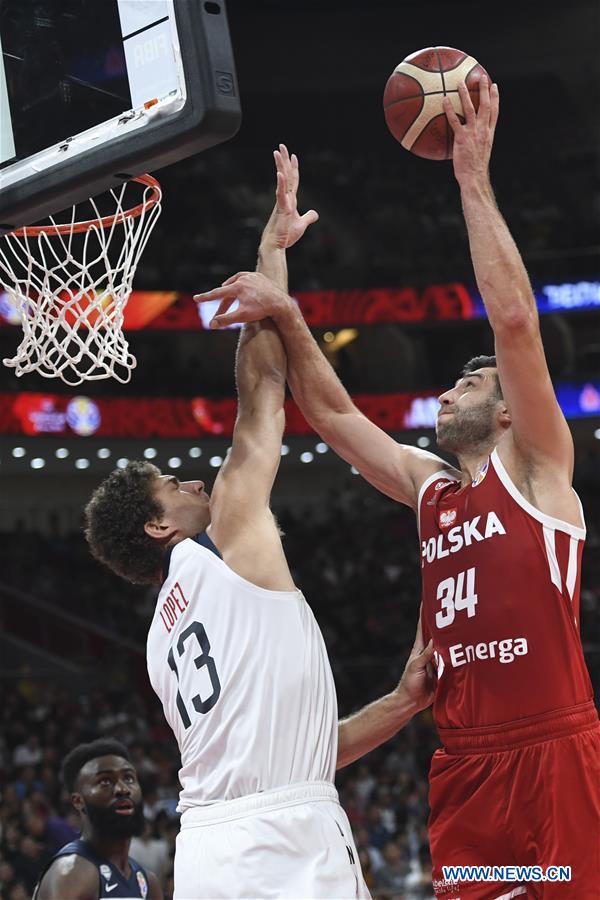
(501, 601)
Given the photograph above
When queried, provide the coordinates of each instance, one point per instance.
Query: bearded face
(114, 823)
(467, 427)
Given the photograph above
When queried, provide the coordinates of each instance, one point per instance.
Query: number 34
(450, 592)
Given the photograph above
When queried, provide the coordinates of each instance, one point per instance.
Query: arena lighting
(597, 434)
(328, 337)
(423, 441)
(342, 338)
(103, 453)
(37, 462)
(284, 449)
(321, 447)
(150, 453)
(195, 452)
(122, 462)
(215, 461)
(61, 453)
(353, 470)
(306, 457)
(82, 463)
(18, 452)
(174, 462)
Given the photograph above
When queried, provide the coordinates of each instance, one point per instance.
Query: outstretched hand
(473, 140)
(418, 681)
(286, 225)
(258, 298)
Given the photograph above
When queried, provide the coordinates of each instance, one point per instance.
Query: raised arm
(397, 470)
(241, 521)
(539, 431)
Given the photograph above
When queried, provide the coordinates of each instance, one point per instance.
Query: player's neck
(472, 463)
(116, 851)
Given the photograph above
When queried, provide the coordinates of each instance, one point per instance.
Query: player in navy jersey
(501, 544)
(105, 791)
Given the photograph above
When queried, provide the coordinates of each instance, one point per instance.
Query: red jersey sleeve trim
(548, 521)
(441, 473)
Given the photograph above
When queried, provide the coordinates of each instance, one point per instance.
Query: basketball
(412, 100)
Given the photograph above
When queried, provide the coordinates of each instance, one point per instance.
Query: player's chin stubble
(466, 429)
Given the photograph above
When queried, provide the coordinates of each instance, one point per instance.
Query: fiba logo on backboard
(225, 83)
(83, 416)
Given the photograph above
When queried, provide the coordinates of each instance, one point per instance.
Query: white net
(69, 284)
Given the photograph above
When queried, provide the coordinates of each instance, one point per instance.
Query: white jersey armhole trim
(548, 521)
(216, 561)
(441, 473)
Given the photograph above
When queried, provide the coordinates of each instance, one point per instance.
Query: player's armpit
(70, 876)
(540, 433)
(251, 547)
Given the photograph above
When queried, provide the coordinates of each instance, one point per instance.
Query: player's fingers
(284, 153)
(224, 306)
(494, 106)
(419, 632)
(237, 317)
(294, 172)
(233, 278)
(467, 103)
(309, 218)
(281, 194)
(483, 113)
(455, 123)
(423, 655)
(215, 294)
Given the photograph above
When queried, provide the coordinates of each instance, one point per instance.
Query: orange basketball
(412, 100)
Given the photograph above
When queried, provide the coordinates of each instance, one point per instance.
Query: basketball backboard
(93, 93)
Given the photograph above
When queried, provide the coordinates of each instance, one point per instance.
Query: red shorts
(523, 793)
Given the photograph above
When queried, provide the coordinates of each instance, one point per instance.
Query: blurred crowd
(355, 559)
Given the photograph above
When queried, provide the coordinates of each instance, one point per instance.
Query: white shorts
(290, 842)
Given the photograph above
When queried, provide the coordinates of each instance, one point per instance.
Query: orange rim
(105, 222)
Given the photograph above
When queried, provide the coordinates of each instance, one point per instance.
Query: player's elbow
(517, 316)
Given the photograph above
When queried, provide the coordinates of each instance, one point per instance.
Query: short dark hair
(114, 523)
(74, 761)
(483, 362)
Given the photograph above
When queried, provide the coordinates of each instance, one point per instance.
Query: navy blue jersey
(112, 883)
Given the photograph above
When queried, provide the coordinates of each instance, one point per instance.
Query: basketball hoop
(69, 284)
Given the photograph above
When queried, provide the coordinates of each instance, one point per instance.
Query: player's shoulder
(69, 875)
(426, 467)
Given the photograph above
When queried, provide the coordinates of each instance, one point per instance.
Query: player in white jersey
(234, 652)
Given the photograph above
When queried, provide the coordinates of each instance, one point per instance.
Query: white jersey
(244, 680)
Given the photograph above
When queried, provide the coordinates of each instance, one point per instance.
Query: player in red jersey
(518, 779)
